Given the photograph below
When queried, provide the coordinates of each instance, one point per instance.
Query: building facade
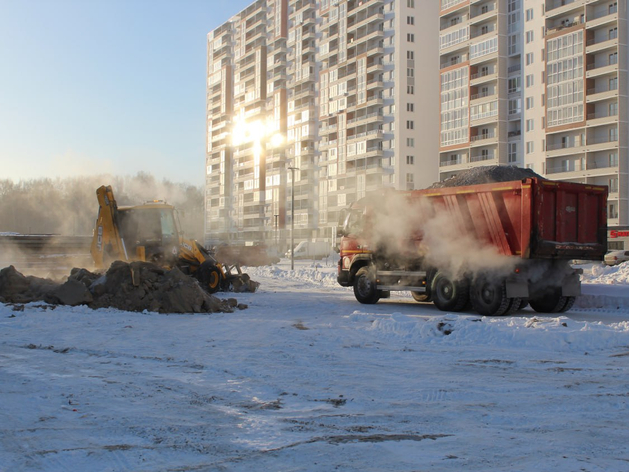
(539, 84)
(311, 104)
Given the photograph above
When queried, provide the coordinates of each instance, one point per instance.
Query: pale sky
(95, 86)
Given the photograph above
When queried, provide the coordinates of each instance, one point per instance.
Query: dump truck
(150, 232)
(492, 247)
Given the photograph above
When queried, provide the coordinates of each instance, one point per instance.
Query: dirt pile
(135, 286)
(487, 175)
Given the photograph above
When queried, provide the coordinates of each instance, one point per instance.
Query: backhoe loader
(149, 232)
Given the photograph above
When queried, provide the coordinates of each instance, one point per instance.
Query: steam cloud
(408, 228)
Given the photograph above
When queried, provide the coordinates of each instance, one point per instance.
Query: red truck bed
(532, 218)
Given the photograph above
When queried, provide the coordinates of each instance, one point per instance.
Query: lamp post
(292, 217)
(277, 243)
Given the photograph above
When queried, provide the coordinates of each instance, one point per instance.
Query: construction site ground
(307, 379)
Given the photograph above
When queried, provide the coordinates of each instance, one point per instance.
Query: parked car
(616, 257)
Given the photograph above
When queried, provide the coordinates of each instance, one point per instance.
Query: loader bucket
(239, 281)
(243, 283)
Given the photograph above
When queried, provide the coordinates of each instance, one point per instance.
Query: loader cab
(150, 232)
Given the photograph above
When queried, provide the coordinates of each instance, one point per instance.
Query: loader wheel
(449, 295)
(365, 289)
(210, 277)
(489, 296)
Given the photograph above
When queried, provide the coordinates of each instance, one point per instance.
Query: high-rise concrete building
(539, 84)
(317, 103)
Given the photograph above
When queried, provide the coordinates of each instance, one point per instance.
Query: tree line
(68, 206)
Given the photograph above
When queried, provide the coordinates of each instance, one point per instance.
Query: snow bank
(559, 334)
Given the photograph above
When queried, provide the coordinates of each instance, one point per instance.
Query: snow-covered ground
(307, 379)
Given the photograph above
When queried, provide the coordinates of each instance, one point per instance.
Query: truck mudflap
(518, 286)
(571, 286)
(342, 276)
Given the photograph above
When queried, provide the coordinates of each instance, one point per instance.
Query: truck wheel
(210, 277)
(421, 297)
(552, 302)
(365, 289)
(448, 295)
(489, 297)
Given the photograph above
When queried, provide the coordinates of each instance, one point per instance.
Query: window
(613, 159)
(484, 9)
(613, 33)
(409, 182)
(409, 3)
(529, 80)
(613, 109)
(410, 142)
(410, 72)
(613, 212)
(613, 58)
(529, 147)
(409, 124)
(410, 55)
(484, 29)
(613, 8)
(410, 37)
(410, 89)
(529, 103)
(613, 184)
(514, 84)
(613, 83)
(529, 125)
(410, 160)
(613, 134)
(529, 37)
(513, 152)
(529, 58)
(529, 14)
(410, 107)
(410, 20)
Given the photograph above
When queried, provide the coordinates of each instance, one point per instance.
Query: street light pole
(292, 218)
(277, 243)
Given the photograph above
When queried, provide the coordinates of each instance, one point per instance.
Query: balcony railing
(482, 157)
(480, 137)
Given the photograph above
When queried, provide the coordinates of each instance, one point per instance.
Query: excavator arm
(107, 243)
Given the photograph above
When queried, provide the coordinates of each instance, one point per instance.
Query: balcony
(598, 94)
(600, 18)
(484, 139)
(600, 45)
(561, 7)
(447, 4)
(601, 118)
(488, 156)
(595, 69)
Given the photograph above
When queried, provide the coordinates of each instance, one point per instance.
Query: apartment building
(539, 84)
(312, 104)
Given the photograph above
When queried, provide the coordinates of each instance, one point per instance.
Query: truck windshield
(354, 222)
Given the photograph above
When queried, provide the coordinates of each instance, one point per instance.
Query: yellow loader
(149, 232)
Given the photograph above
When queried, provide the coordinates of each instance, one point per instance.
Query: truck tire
(489, 297)
(210, 277)
(365, 289)
(449, 295)
(552, 302)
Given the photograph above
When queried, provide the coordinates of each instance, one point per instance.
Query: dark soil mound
(137, 286)
(487, 175)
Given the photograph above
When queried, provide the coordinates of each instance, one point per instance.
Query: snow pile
(313, 273)
(559, 334)
(604, 274)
